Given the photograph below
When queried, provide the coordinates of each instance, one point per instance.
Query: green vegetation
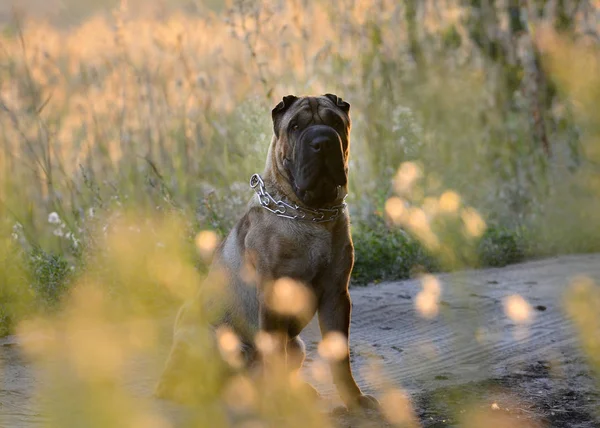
(386, 253)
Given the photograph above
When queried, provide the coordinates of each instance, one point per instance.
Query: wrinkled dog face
(313, 135)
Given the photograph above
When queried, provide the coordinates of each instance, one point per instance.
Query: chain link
(292, 211)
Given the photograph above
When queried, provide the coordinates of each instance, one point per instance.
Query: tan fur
(262, 248)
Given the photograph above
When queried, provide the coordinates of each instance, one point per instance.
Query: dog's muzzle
(319, 167)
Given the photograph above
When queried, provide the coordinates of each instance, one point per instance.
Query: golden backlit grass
(126, 108)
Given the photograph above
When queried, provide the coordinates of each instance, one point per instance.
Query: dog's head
(312, 136)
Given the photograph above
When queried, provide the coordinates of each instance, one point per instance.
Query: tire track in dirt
(472, 340)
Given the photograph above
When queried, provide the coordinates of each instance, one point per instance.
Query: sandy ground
(470, 352)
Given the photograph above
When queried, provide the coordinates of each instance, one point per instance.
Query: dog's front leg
(273, 333)
(334, 317)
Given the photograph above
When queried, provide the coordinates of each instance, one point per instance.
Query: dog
(294, 234)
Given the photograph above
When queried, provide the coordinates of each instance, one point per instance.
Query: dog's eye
(294, 127)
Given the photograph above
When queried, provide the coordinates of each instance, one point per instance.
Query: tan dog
(297, 227)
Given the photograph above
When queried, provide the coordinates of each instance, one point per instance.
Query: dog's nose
(317, 143)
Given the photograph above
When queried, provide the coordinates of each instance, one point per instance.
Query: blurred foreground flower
(206, 243)
(449, 202)
(291, 298)
(582, 303)
(406, 177)
(398, 409)
(518, 309)
(427, 300)
(333, 347)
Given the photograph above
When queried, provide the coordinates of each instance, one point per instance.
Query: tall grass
(466, 115)
(171, 112)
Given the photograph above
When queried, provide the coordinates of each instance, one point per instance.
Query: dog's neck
(279, 186)
(291, 210)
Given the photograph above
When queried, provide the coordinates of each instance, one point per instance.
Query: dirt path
(470, 350)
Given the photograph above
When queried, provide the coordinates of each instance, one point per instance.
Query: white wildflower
(16, 231)
(53, 218)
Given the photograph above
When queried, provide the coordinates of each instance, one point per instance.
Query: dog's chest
(294, 250)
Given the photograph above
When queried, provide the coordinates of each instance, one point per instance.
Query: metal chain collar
(293, 211)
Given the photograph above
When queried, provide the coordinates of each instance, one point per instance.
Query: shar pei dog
(288, 258)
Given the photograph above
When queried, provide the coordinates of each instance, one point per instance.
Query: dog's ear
(280, 109)
(339, 102)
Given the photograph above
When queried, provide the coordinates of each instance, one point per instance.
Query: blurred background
(128, 127)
